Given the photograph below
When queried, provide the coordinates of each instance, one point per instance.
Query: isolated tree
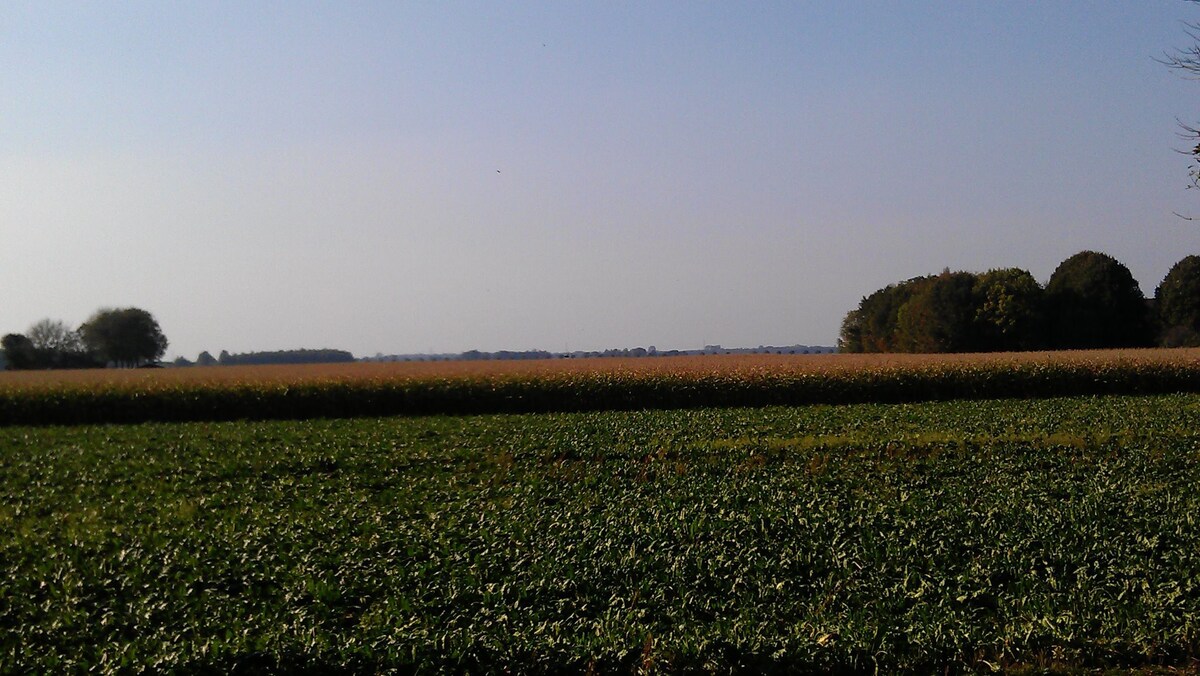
(205, 359)
(125, 337)
(1177, 304)
(1094, 302)
(1010, 311)
(18, 351)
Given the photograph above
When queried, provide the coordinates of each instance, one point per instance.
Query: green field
(1019, 534)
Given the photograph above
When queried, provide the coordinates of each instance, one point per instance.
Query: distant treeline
(124, 337)
(478, 355)
(304, 356)
(1091, 301)
(470, 355)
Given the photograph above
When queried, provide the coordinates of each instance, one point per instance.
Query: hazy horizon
(440, 177)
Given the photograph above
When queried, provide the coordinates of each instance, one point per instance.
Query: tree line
(126, 337)
(1091, 301)
(302, 356)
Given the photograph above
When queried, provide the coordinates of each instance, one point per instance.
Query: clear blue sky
(414, 176)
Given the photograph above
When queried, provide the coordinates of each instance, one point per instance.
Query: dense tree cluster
(120, 337)
(1091, 301)
(303, 356)
(1177, 301)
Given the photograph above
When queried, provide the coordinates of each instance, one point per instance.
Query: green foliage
(126, 337)
(303, 356)
(939, 316)
(55, 345)
(1091, 301)
(1177, 304)
(1094, 302)
(850, 338)
(951, 537)
(54, 336)
(19, 351)
(872, 327)
(1010, 313)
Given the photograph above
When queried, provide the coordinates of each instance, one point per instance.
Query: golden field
(707, 365)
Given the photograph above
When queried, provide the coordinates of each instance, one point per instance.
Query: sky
(402, 177)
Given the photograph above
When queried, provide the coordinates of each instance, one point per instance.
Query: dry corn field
(475, 387)
(706, 365)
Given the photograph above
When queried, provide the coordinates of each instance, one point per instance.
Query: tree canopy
(48, 344)
(1095, 302)
(872, 327)
(55, 335)
(939, 316)
(125, 337)
(1177, 303)
(19, 351)
(1091, 301)
(1010, 310)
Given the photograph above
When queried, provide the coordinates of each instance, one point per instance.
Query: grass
(964, 536)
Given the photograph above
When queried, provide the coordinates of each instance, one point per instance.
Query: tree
(940, 316)
(1010, 311)
(125, 337)
(53, 335)
(850, 337)
(872, 327)
(1177, 304)
(1094, 302)
(18, 351)
(58, 346)
(205, 359)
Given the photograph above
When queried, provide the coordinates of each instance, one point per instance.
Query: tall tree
(940, 316)
(125, 337)
(1177, 304)
(18, 351)
(850, 339)
(53, 335)
(872, 327)
(1010, 312)
(57, 346)
(1094, 302)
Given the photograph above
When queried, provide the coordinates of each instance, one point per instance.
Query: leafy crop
(918, 537)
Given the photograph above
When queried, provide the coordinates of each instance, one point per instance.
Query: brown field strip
(707, 365)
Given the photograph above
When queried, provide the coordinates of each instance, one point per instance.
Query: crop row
(583, 391)
(922, 537)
